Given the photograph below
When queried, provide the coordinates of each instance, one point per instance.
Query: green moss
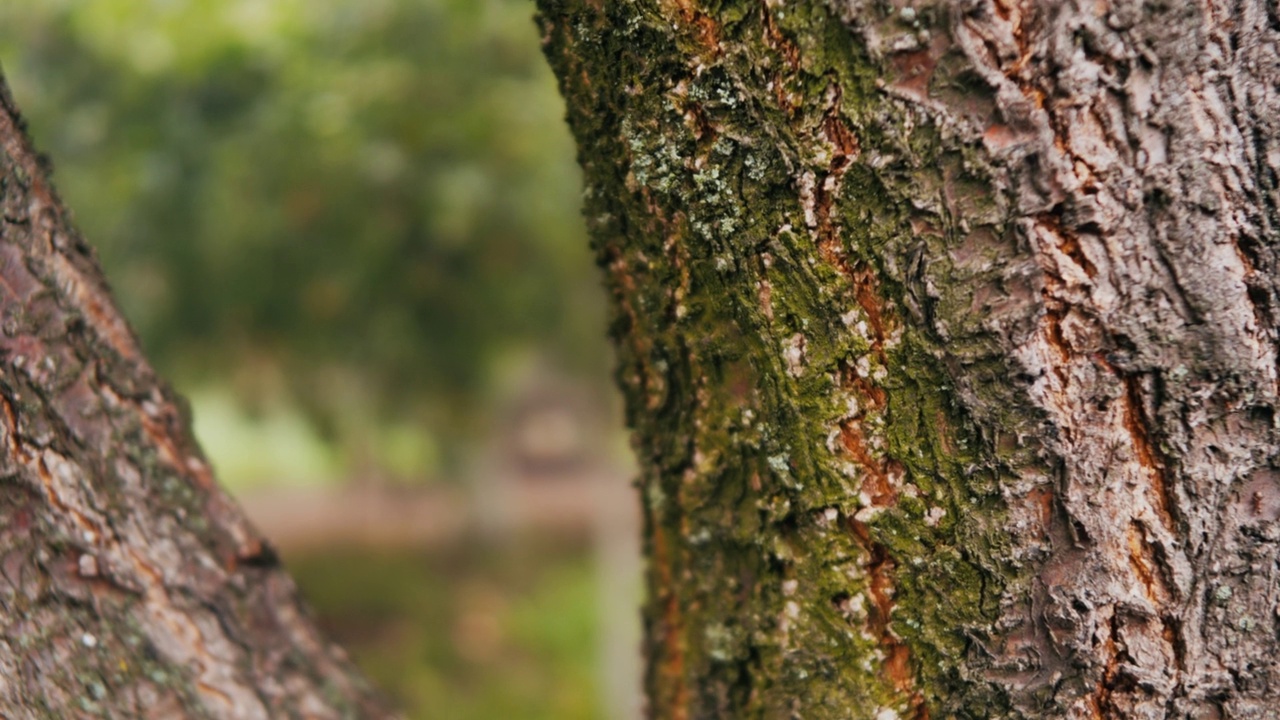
(739, 325)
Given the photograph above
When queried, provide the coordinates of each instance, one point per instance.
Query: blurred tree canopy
(368, 208)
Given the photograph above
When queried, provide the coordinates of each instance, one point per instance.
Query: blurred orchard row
(346, 230)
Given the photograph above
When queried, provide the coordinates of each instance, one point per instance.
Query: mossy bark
(131, 586)
(947, 334)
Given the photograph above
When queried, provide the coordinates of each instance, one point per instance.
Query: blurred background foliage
(348, 232)
(349, 222)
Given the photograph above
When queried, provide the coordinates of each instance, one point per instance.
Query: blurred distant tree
(948, 335)
(133, 587)
(368, 207)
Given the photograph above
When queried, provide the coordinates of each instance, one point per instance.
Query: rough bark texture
(948, 337)
(130, 585)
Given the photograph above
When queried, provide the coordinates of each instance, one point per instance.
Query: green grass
(468, 632)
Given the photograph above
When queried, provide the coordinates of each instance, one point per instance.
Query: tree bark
(131, 586)
(948, 338)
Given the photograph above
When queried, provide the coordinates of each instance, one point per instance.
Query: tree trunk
(948, 338)
(130, 585)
